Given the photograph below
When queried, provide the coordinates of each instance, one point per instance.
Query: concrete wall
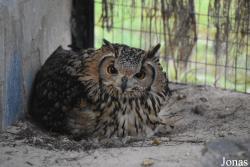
(29, 32)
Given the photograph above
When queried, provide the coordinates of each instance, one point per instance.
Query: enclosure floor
(208, 124)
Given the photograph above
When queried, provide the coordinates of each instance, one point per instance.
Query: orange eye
(111, 69)
(140, 75)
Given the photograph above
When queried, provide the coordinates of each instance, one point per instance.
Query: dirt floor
(205, 126)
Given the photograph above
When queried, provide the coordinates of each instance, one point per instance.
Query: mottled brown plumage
(116, 90)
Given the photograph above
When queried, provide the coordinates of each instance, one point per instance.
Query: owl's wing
(58, 94)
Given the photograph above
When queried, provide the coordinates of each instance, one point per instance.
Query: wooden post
(82, 24)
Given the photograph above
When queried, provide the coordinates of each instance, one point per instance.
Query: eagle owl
(116, 90)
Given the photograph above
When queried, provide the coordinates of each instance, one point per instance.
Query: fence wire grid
(203, 42)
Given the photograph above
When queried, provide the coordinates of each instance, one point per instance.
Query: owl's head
(128, 71)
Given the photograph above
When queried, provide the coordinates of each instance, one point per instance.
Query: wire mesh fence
(204, 42)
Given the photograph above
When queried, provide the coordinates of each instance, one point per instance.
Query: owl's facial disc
(126, 80)
(127, 70)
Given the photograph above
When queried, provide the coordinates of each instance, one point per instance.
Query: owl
(114, 91)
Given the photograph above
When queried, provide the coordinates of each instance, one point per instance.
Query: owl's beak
(124, 83)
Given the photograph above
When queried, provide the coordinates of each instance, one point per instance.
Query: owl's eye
(140, 75)
(111, 69)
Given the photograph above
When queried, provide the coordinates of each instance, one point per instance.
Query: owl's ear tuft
(109, 45)
(106, 42)
(153, 52)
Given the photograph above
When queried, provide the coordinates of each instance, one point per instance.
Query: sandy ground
(205, 125)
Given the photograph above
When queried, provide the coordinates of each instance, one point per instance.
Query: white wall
(30, 30)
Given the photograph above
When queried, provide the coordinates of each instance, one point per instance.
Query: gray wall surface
(30, 30)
